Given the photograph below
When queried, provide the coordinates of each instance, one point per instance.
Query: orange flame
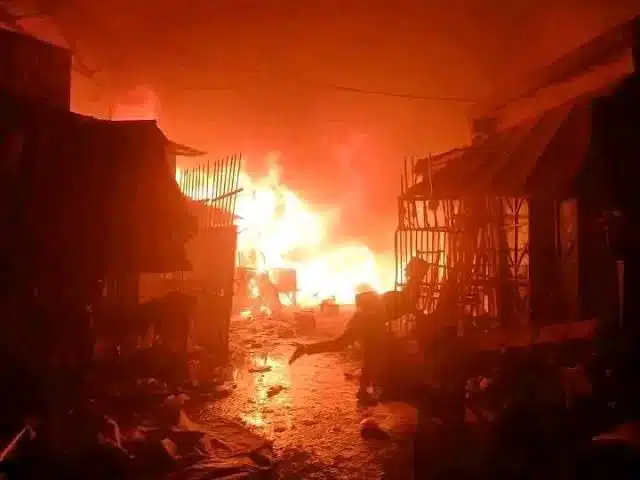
(277, 229)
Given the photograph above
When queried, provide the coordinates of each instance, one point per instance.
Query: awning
(183, 150)
(542, 157)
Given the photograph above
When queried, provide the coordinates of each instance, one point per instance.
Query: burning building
(528, 212)
(283, 255)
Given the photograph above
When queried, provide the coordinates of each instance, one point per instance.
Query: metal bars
(213, 189)
(487, 238)
(215, 186)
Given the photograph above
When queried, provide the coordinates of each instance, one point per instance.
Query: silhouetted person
(408, 300)
(368, 327)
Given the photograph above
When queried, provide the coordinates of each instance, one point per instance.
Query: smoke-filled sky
(256, 75)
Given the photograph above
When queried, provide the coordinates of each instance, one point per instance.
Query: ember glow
(278, 229)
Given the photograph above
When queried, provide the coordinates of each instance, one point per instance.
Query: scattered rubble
(371, 428)
(286, 332)
(222, 391)
(97, 446)
(177, 400)
(134, 428)
(305, 321)
(352, 375)
(274, 390)
(260, 369)
(329, 307)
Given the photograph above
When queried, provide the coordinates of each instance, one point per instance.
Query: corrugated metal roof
(541, 156)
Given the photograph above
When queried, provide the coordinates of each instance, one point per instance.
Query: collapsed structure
(537, 218)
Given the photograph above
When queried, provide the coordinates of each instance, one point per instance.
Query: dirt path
(309, 410)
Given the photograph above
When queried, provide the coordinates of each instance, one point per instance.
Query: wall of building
(35, 69)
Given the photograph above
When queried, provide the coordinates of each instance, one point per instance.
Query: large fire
(278, 229)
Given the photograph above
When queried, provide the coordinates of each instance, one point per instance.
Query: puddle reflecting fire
(308, 408)
(270, 393)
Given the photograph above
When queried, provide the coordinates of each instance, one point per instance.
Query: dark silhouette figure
(367, 327)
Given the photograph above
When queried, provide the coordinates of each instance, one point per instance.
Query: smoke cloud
(140, 103)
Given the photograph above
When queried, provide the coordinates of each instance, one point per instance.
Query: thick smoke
(140, 103)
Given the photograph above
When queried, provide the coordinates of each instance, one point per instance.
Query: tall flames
(278, 229)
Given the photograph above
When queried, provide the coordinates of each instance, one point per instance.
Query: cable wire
(361, 91)
(81, 68)
(411, 96)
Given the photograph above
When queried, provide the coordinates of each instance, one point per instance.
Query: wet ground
(309, 409)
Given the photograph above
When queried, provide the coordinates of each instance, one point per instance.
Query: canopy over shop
(525, 212)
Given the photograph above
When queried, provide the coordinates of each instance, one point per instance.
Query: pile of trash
(164, 443)
(134, 428)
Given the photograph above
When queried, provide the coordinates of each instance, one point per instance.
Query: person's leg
(366, 381)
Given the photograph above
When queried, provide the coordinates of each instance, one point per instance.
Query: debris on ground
(221, 391)
(371, 428)
(274, 390)
(305, 321)
(329, 307)
(260, 369)
(392, 420)
(96, 446)
(286, 332)
(259, 312)
(152, 387)
(355, 375)
(177, 400)
(261, 364)
(301, 464)
(129, 422)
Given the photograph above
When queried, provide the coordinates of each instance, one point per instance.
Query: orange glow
(271, 391)
(278, 229)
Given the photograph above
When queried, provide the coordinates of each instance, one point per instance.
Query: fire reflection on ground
(271, 391)
(308, 409)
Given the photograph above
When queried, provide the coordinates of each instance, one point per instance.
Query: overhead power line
(81, 67)
(355, 90)
(305, 78)
(411, 96)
